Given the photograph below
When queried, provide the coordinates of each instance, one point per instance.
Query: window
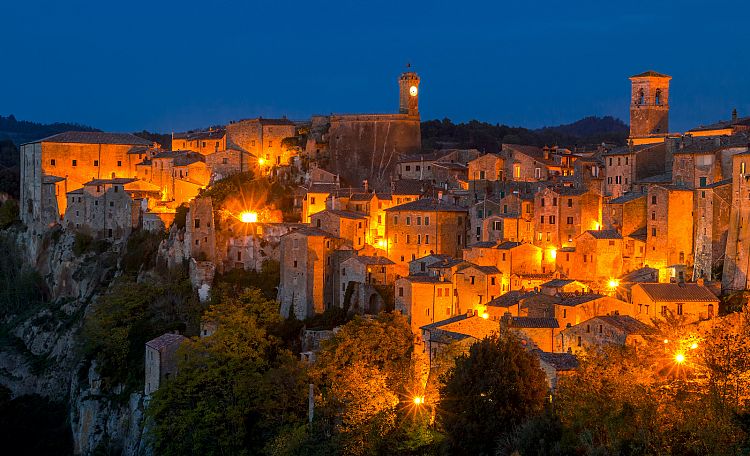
(679, 308)
(408, 168)
(663, 311)
(427, 221)
(542, 220)
(579, 341)
(542, 202)
(517, 171)
(497, 225)
(703, 181)
(408, 220)
(554, 201)
(657, 97)
(471, 280)
(439, 292)
(75, 162)
(641, 97)
(551, 219)
(52, 162)
(96, 162)
(538, 173)
(565, 313)
(570, 220)
(117, 188)
(653, 199)
(224, 161)
(270, 143)
(395, 219)
(653, 215)
(588, 328)
(426, 238)
(653, 232)
(119, 162)
(408, 238)
(419, 220)
(492, 282)
(601, 329)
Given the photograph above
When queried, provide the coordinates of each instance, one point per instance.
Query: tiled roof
(361, 197)
(511, 298)
(484, 245)
(427, 205)
(311, 231)
(432, 156)
(473, 326)
(640, 234)
(626, 198)
(424, 278)
(572, 300)
(370, 260)
(408, 187)
(507, 245)
(651, 74)
(658, 179)
(50, 179)
(117, 180)
(320, 187)
(569, 191)
(560, 361)
(446, 263)
(626, 323)
(165, 340)
(533, 322)
(342, 214)
(723, 124)
(719, 183)
(557, 283)
(96, 137)
(667, 292)
(604, 234)
(197, 135)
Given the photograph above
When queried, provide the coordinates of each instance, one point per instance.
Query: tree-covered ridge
(442, 134)
(22, 131)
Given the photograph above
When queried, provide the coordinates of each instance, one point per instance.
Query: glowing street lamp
(418, 400)
(249, 217)
(679, 358)
(613, 283)
(485, 315)
(261, 161)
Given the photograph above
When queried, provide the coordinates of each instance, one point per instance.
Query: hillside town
(569, 249)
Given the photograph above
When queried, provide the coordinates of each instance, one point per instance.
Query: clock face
(413, 91)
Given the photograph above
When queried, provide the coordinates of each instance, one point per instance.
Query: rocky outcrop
(43, 354)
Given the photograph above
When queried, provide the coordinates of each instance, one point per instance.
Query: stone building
(598, 256)
(534, 332)
(736, 275)
(465, 329)
(363, 274)
(604, 330)
(367, 146)
(348, 226)
(264, 139)
(626, 213)
(200, 230)
(626, 166)
(669, 226)
(562, 213)
(425, 299)
(713, 204)
(226, 162)
(489, 167)
(53, 166)
(649, 107)
(204, 142)
(109, 208)
(307, 263)
(161, 360)
(425, 226)
(688, 302)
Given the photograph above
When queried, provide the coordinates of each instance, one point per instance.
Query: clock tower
(408, 85)
(649, 105)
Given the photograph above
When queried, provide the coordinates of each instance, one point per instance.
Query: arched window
(641, 97)
(657, 97)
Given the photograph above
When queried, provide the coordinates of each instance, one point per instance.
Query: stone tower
(649, 105)
(408, 85)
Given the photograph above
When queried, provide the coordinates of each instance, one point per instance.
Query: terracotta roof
(367, 259)
(362, 196)
(533, 322)
(572, 300)
(604, 234)
(408, 187)
(340, 213)
(311, 231)
(560, 361)
(626, 323)
(484, 245)
(424, 278)
(626, 198)
(117, 180)
(667, 292)
(640, 234)
(511, 298)
(427, 205)
(507, 245)
(719, 183)
(650, 74)
(471, 326)
(197, 135)
(320, 187)
(165, 340)
(446, 263)
(658, 179)
(50, 179)
(557, 283)
(96, 137)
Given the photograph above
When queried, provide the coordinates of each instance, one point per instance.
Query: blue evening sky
(176, 65)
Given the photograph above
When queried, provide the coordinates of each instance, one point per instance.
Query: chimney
(364, 184)
(734, 115)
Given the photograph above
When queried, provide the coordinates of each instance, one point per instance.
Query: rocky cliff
(42, 352)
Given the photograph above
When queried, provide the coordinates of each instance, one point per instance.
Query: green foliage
(267, 280)
(493, 388)
(141, 251)
(131, 313)
(180, 216)
(367, 379)
(236, 391)
(84, 243)
(33, 425)
(21, 287)
(8, 213)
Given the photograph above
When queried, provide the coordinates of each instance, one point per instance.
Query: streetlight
(249, 217)
(679, 358)
(418, 400)
(613, 283)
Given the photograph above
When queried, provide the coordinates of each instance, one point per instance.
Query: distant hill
(441, 134)
(23, 131)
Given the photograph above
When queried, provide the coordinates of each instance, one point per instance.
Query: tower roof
(651, 74)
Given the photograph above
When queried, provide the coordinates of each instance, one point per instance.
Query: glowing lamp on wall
(249, 217)
(261, 161)
(553, 253)
(613, 283)
(382, 243)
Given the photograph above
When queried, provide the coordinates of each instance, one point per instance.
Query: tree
(366, 378)
(493, 388)
(235, 390)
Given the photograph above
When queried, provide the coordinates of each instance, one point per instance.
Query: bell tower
(408, 85)
(649, 105)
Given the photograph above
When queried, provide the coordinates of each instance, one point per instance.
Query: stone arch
(374, 304)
